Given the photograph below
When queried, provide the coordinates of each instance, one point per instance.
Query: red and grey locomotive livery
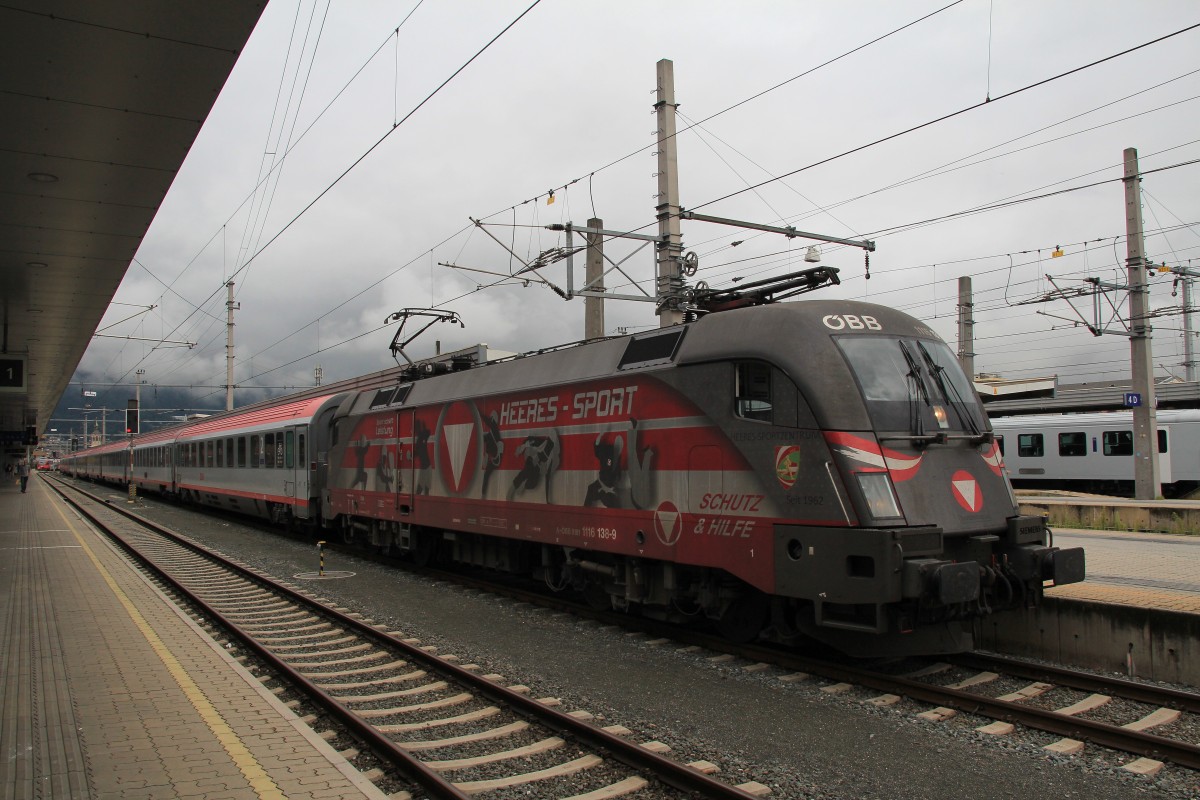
(821, 468)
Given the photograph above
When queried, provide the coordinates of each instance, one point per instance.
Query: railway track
(1080, 707)
(1125, 716)
(424, 724)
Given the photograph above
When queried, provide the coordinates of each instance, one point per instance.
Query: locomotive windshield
(912, 384)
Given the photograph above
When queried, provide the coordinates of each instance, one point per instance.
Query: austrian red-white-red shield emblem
(458, 446)
(966, 491)
(668, 523)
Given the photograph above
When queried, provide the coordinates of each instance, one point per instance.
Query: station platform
(108, 690)
(1137, 612)
(1146, 570)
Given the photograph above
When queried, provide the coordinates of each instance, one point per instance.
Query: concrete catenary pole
(593, 307)
(1145, 424)
(230, 306)
(670, 248)
(966, 327)
(1189, 354)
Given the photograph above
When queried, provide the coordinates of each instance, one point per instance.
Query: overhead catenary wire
(589, 175)
(952, 115)
(369, 150)
(935, 121)
(430, 251)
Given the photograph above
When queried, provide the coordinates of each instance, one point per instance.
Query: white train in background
(1094, 452)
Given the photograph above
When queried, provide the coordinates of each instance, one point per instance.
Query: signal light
(131, 417)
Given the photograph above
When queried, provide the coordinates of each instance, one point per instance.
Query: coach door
(295, 468)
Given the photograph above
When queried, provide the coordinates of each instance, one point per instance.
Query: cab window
(752, 392)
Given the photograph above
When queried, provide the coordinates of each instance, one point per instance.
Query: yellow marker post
(321, 553)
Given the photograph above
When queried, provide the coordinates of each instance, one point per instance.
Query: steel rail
(1116, 737)
(1112, 736)
(380, 744)
(674, 774)
(1062, 676)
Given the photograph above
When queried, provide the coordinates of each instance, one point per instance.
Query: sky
(344, 160)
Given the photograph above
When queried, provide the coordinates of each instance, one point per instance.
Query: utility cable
(738, 104)
(952, 115)
(360, 159)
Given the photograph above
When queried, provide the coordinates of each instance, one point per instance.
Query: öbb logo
(854, 322)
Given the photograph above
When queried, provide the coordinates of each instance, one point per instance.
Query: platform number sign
(1132, 399)
(12, 373)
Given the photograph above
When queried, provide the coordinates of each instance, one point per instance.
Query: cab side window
(752, 391)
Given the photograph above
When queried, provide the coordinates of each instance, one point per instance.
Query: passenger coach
(1094, 452)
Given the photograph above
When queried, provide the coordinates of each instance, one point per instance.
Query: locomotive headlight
(939, 413)
(877, 490)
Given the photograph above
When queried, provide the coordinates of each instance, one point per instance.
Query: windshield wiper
(949, 391)
(917, 390)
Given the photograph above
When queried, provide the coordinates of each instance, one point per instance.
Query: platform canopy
(101, 102)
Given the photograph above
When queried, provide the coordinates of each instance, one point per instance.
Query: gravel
(796, 739)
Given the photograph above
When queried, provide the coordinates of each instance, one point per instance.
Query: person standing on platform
(23, 472)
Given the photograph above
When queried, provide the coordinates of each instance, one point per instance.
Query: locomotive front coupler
(947, 582)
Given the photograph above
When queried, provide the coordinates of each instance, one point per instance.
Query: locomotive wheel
(745, 617)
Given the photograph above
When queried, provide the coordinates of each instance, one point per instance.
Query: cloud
(568, 91)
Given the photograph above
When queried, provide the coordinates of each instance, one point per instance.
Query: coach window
(752, 393)
(256, 451)
(220, 453)
(229, 462)
(289, 450)
(1072, 444)
(1118, 443)
(1162, 441)
(241, 451)
(1029, 445)
(269, 447)
(279, 450)
(301, 455)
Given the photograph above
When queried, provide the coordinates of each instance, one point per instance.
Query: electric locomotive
(818, 468)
